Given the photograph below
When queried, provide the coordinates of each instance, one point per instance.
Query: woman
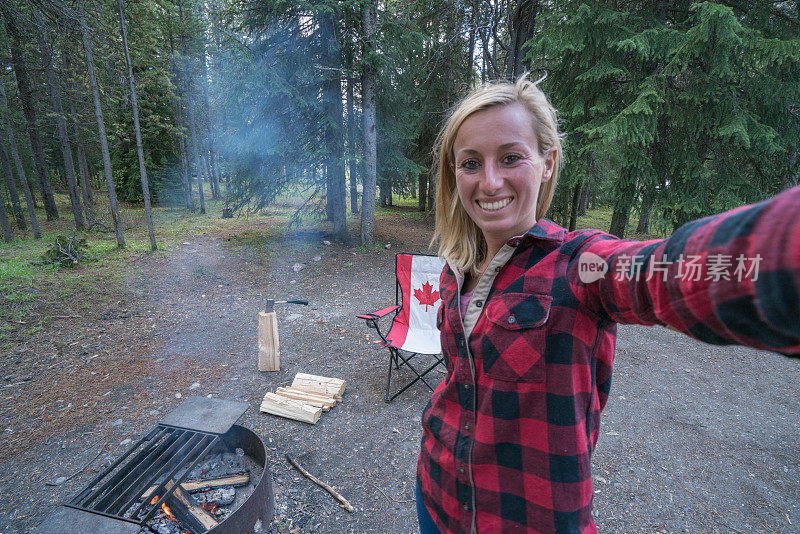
(529, 314)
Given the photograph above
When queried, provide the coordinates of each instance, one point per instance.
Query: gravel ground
(695, 438)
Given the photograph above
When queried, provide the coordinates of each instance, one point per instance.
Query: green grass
(600, 219)
(30, 289)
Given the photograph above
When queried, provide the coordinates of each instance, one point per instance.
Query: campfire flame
(167, 511)
(164, 508)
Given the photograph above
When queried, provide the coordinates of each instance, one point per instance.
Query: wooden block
(236, 480)
(318, 401)
(239, 479)
(290, 408)
(186, 510)
(269, 354)
(317, 396)
(319, 384)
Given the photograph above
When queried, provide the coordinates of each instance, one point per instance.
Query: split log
(290, 408)
(188, 512)
(320, 401)
(319, 384)
(235, 480)
(269, 353)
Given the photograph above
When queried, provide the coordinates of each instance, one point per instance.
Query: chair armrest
(378, 314)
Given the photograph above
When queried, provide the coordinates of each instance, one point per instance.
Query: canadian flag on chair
(414, 328)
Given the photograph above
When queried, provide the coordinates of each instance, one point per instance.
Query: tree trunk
(334, 130)
(185, 171)
(12, 188)
(212, 170)
(522, 25)
(101, 127)
(622, 208)
(370, 133)
(187, 185)
(431, 194)
(422, 190)
(573, 212)
(471, 50)
(351, 147)
(63, 136)
(83, 168)
(29, 109)
(12, 143)
(190, 103)
(383, 194)
(584, 200)
(8, 235)
(195, 151)
(139, 148)
(644, 213)
(619, 220)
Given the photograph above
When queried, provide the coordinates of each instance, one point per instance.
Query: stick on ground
(346, 505)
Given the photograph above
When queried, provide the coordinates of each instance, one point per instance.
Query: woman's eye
(511, 159)
(469, 164)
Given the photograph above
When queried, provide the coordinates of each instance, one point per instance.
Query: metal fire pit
(194, 430)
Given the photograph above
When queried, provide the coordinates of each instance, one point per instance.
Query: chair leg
(397, 357)
(392, 360)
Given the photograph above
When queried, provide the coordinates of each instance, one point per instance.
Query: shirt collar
(544, 229)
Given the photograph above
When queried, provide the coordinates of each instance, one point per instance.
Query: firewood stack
(305, 399)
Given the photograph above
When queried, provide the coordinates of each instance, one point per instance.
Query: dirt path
(695, 438)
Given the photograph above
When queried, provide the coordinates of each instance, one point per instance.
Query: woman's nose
(492, 179)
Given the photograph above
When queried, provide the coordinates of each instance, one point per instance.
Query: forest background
(121, 121)
(672, 109)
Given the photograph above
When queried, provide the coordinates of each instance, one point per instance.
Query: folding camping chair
(414, 330)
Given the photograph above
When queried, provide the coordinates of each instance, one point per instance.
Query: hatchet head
(270, 305)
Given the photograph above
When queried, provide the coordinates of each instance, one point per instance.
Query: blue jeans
(426, 524)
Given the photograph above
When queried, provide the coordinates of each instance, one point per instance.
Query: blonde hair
(460, 240)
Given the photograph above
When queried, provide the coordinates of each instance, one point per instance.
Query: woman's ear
(549, 164)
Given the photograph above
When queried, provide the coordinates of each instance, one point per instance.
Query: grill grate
(165, 454)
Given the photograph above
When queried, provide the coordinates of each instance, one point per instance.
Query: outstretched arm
(725, 279)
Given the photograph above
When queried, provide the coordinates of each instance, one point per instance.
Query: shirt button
(466, 506)
(479, 303)
(466, 387)
(466, 426)
(512, 319)
(461, 470)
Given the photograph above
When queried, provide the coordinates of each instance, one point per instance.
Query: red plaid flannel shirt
(508, 435)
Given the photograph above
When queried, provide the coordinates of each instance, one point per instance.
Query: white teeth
(494, 206)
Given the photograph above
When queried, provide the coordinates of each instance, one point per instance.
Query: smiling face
(499, 171)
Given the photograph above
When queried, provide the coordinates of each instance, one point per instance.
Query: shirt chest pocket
(513, 342)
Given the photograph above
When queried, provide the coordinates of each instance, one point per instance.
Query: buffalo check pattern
(508, 434)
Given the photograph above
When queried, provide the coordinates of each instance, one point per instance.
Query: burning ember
(167, 511)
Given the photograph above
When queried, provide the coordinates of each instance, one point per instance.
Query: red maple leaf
(425, 296)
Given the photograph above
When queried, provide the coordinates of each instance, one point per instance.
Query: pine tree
(19, 61)
(139, 147)
(8, 134)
